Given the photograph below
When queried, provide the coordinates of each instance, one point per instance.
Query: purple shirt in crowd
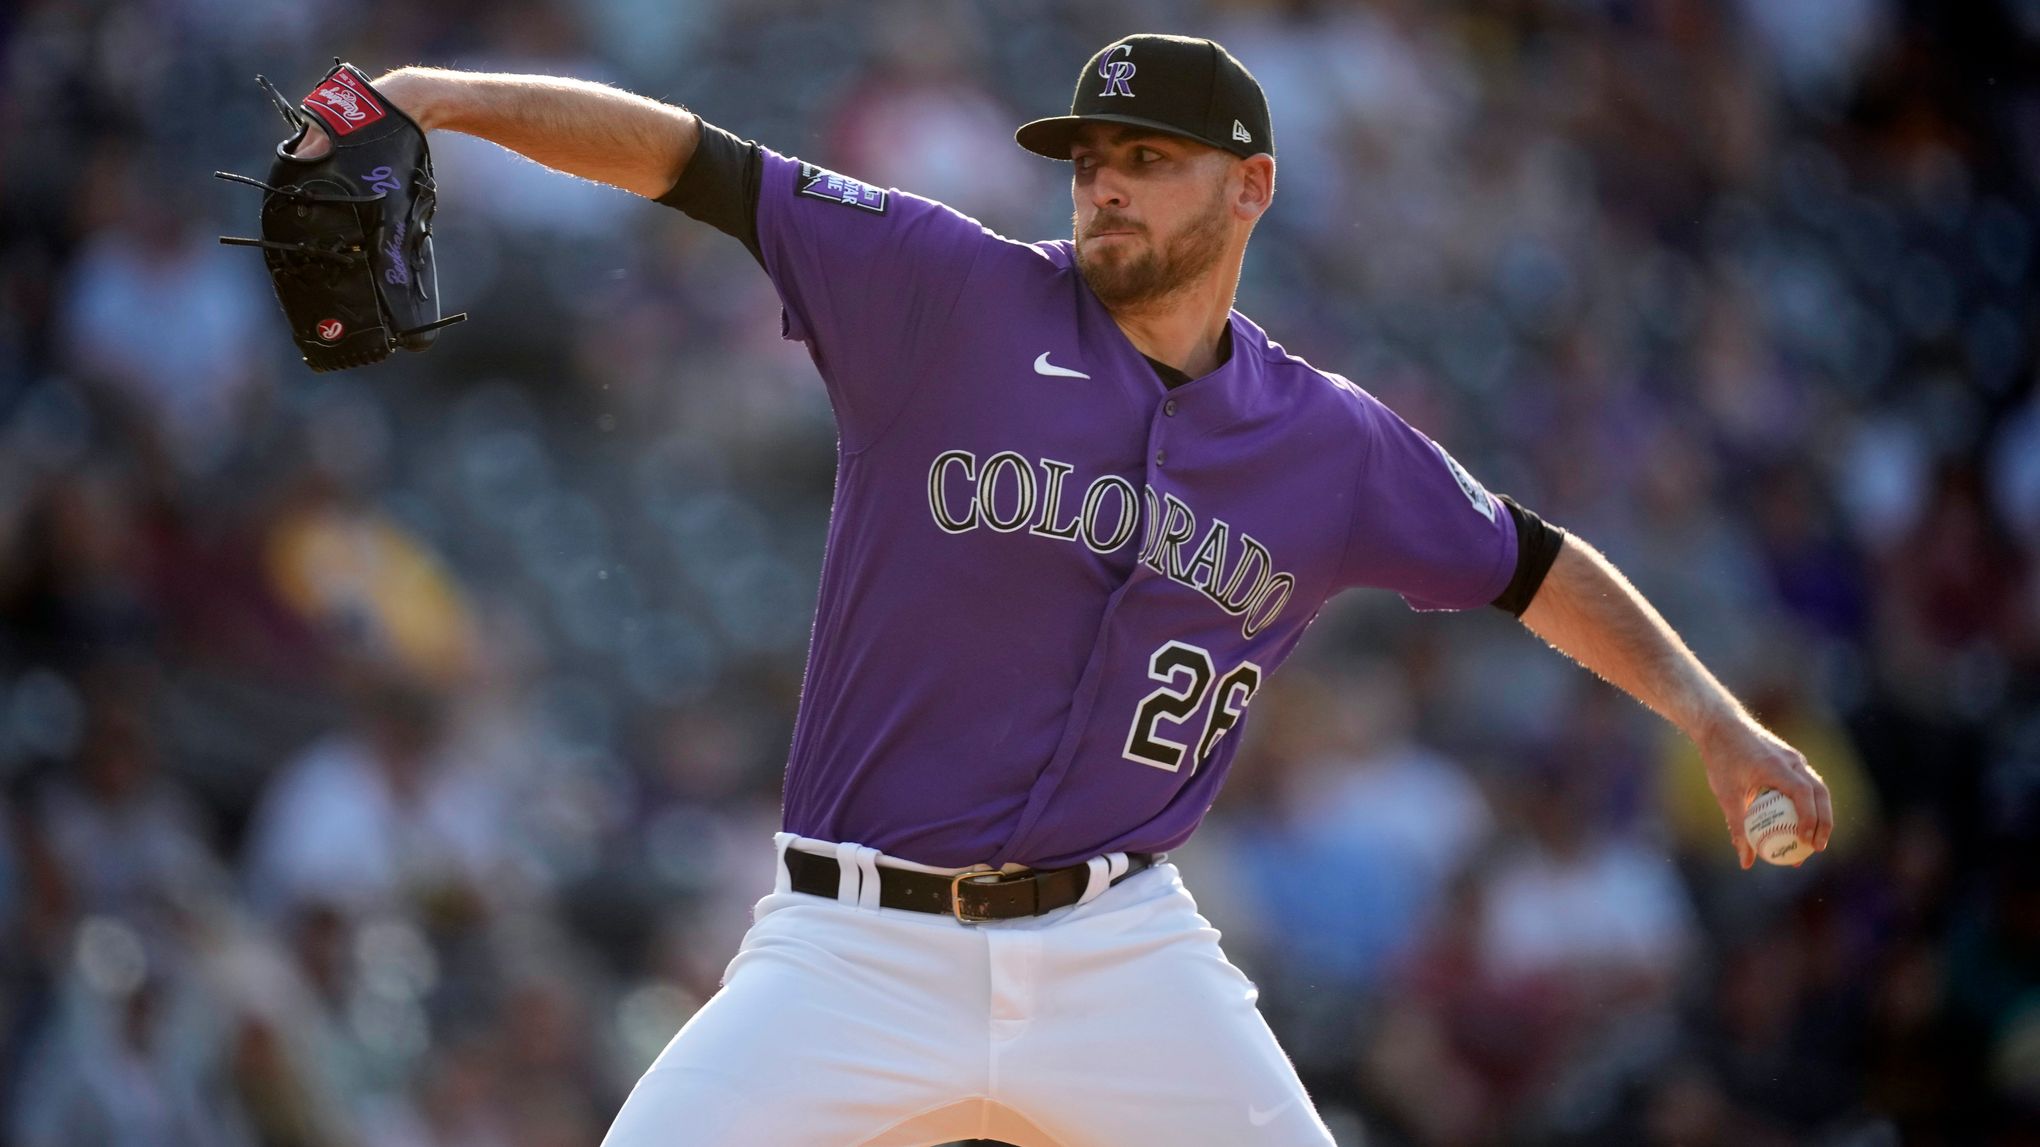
(1053, 585)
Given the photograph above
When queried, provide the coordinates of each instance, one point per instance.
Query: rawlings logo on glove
(347, 236)
(341, 105)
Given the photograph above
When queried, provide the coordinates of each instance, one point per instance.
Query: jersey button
(1169, 408)
(1161, 457)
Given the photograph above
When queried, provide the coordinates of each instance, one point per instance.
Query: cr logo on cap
(1117, 72)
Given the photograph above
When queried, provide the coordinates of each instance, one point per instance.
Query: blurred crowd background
(390, 757)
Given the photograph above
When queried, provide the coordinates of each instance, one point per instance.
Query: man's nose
(1108, 188)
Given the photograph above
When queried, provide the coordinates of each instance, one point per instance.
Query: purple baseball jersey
(1053, 585)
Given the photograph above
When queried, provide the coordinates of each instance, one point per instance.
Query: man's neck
(1185, 328)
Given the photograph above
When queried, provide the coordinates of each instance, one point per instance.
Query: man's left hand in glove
(347, 225)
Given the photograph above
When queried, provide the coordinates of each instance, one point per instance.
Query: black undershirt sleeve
(1537, 545)
(720, 186)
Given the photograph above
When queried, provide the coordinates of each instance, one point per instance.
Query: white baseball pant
(1115, 1022)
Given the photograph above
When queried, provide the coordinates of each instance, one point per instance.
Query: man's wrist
(1719, 726)
(419, 94)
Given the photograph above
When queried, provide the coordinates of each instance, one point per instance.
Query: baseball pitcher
(1083, 511)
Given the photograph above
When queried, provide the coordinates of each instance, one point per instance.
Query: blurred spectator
(1372, 830)
(130, 844)
(1344, 866)
(358, 576)
(1543, 989)
(127, 1059)
(1586, 911)
(377, 818)
(85, 568)
(168, 320)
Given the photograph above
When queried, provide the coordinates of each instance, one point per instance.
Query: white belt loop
(782, 880)
(1100, 880)
(867, 871)
(1104, 871)
(849, 873)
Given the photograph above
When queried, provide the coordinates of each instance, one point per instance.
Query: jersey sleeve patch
(821, 183)
(1472, 489)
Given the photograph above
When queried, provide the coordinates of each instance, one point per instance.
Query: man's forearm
(1587, 610)
(586, 129)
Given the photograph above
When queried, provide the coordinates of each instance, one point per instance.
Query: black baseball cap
(1176, 84)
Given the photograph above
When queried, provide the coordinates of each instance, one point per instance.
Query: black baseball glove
(348, 235)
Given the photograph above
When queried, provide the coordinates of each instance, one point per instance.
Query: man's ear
(1256, 186)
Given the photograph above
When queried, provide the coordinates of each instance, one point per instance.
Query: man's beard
(1130, 281)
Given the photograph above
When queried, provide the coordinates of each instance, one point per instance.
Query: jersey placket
(1166, 426)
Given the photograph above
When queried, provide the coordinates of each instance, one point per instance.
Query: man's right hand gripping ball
(347, 229)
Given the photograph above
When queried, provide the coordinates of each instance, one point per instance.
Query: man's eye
(1147, 154)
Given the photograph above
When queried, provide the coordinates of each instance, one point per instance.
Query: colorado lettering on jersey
(1008, 493)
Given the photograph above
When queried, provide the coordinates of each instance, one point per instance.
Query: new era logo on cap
(1240, 132)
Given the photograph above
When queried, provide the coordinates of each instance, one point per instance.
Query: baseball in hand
(1772, 826)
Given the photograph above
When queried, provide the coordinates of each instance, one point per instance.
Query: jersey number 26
(1186, 674)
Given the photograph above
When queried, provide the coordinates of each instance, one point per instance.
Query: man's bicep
(868, 277)
(1421, 525)
(863, 270)
(846, 257)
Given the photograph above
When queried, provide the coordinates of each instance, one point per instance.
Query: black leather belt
(972, 897)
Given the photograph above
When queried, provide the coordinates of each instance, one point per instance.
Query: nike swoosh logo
(1260, 1118)
(1043, 366)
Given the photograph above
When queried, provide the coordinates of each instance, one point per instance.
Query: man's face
(1151, 213)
